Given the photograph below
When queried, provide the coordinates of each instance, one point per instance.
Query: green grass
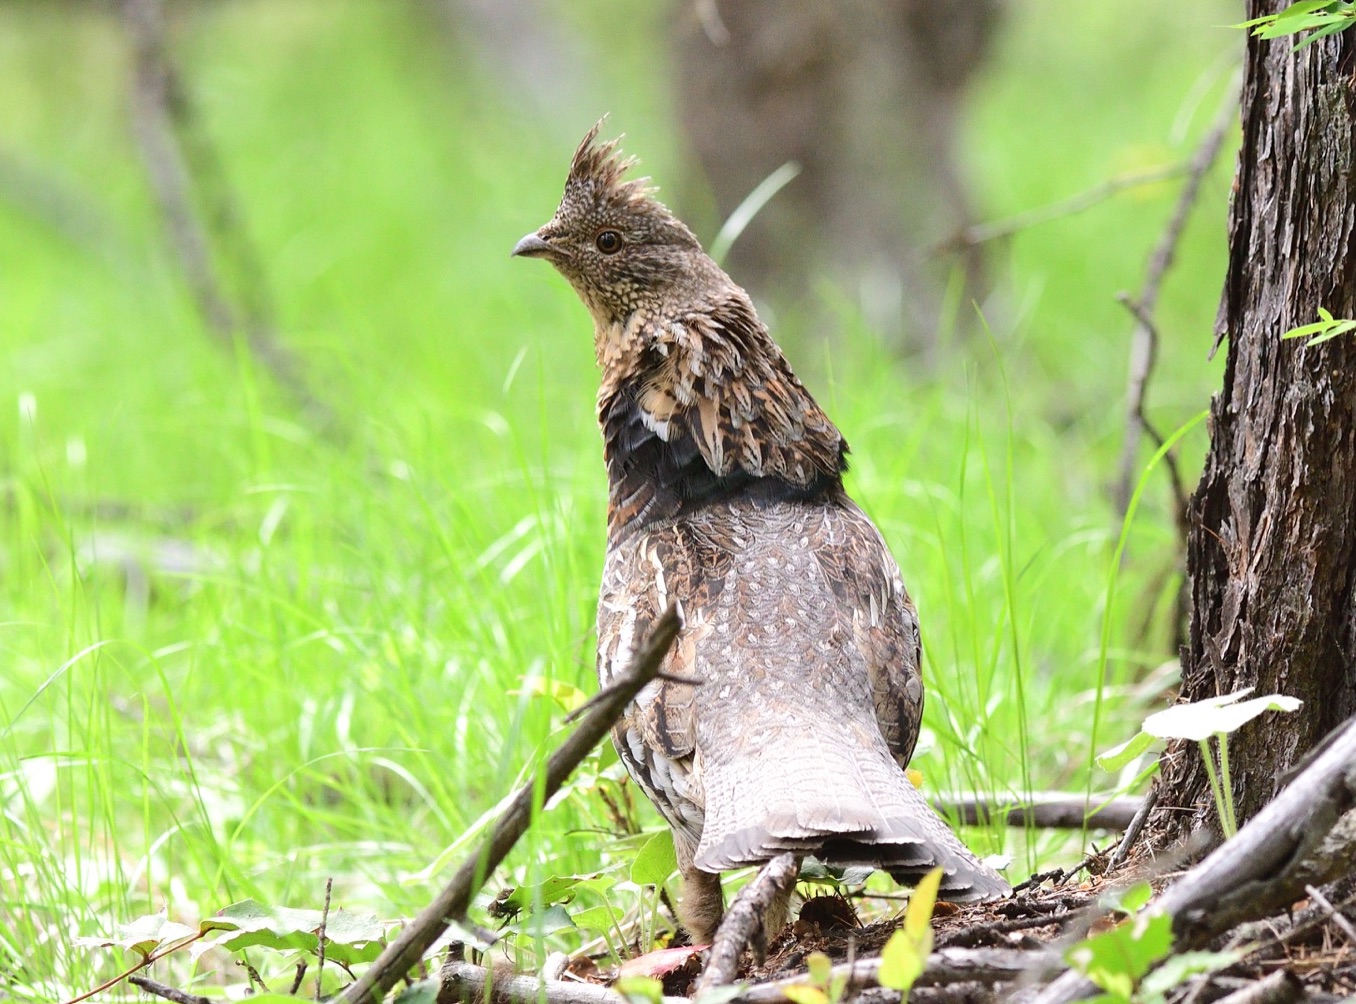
(328, 688)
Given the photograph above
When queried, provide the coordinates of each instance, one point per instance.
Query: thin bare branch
(1132, 832)
(169, 993)
(981, 233)
(1144, 339)
(946, 966)
(1281, 987)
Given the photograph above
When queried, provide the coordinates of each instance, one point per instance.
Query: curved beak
(531, 246)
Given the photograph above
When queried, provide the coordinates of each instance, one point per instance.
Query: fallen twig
(169, 993)
(1132, 832)
(1048, 810)
(1280, 987)
(946, 966)
(404, 953)
(465, 981)
(745, 920)
(1333, 914)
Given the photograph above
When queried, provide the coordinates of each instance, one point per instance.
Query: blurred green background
(242, 652)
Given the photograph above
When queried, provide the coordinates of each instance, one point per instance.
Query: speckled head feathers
(598, 171)
(619, 246)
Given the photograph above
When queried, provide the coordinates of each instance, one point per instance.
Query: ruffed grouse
(725, 494)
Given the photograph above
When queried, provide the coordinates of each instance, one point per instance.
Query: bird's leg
(701, 904)
(778, 911)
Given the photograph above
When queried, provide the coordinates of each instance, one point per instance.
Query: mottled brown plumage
(725, 494)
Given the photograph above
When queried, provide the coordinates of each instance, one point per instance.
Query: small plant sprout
(1122, 961)
(906, 953)
(822, 987)
(1325, 329)
(1215, 716)
(1321, 17)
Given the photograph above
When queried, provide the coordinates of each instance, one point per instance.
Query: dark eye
(608, 241)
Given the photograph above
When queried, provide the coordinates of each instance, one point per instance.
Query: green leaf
(1338, 327)
(349, 937)
(1117, 757)
(1214, 715)
(900, 962)
(566, 695)
(918, 916)
(422, 992)
(556, 889)
(719, 995)
(640, 989)
(549, 921)
(1129, 900)
(143, 935)
(1177, 969)
(595, 918)
(655, 861)
(820, 967)
(1116, 959)
(804, 993)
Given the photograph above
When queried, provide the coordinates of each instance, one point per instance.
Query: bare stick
(1333, 915)
(744, 921)
(1049, 810)
(296, 979)
(1280, 987)
(981, 233)
(1144, 340)
(944, 967)
(320, 935)
(146, 960)
(1132, 832)
(160, 111)
(169, 993)
(404, 953)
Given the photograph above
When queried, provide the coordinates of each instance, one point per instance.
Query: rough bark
(1271, 553)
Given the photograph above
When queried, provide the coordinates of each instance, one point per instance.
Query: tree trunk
(1271, 554)
(866, 98)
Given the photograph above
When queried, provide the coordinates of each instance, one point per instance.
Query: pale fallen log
(463, 981)
(946, 967)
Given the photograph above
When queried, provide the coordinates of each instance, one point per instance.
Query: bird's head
(618, 246)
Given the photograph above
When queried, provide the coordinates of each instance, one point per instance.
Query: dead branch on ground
(1044, 810)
